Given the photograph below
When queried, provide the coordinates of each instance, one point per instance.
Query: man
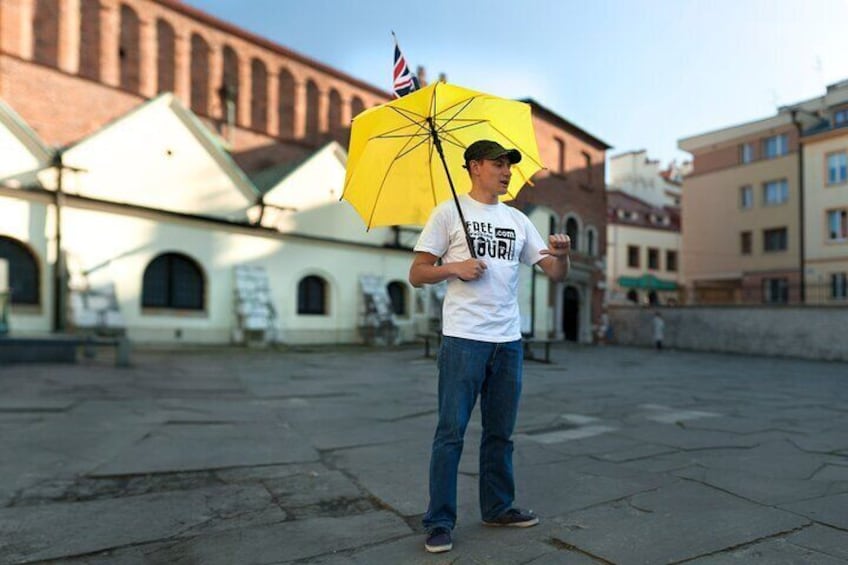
(481, 353)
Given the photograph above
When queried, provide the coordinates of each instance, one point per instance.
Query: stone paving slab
(209, 446)
(51, 531)
(709, 521)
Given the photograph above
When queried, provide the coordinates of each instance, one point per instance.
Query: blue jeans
(468, 369)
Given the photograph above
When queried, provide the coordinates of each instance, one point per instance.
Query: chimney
(421, 73)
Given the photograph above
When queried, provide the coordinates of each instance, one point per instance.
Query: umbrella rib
(511, 142)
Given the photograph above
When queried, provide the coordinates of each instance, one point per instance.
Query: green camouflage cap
(487, 149)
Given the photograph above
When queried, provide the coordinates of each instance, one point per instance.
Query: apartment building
(825, 165)
(756, 206)
(643, 230)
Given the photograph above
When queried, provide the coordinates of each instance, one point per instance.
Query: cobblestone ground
(319, 455)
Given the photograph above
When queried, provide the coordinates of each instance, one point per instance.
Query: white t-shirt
(485, 309)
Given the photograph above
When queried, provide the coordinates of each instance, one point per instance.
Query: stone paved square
(320, 454)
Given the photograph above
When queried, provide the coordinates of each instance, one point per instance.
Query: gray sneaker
(514, 517)
(438, 541)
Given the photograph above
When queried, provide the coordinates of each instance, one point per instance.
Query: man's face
(493, 175)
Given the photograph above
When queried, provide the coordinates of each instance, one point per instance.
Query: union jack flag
(404, 81)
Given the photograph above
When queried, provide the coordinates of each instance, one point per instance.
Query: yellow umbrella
(406, 156)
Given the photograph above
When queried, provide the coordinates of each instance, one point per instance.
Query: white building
(643, 230)
(165, 238)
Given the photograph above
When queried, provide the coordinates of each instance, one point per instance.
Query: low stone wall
(808, 332)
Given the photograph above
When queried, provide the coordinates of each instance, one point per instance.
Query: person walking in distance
(481, 354)
(658, 325)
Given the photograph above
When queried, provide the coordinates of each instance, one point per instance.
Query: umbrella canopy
(395, 173)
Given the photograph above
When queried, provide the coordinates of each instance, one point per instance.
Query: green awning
(647, 282)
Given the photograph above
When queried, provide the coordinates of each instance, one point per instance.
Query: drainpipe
(59, 267)
(803, 285)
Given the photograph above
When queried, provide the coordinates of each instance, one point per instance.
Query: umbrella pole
(438, 143)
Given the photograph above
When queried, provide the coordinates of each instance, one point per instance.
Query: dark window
(633, 256)
(173, 281)
(776, 291)
(199, 75)
(560, 155)
(552, 225)
(229, 90)
(671, 260)
(572, 231)
(590, 242)
(23, 271)
(588, 163)
(334, 112)
(129, 52)
(653, 258)
(311, 296)
(89, 48)
(745, 243)
(259, 102)
(357, 106)
(45, 32)
(286, 103)
(313, 121)
(166, 49)
(774, 239)
(839, 285)
(397, 295)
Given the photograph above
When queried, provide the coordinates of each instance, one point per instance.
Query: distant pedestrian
(604, 329)
(659, 329)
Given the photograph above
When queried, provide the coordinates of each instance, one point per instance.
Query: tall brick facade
(71, 66)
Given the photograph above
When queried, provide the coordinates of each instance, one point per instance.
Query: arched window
(165, 56)
(89, 47)
(45, 32)
(552, 225)
(397, 294)
(312, 295)
(24, 280)
(199, 75)
(173, 280)
(357, 106)
(313, 122)
(259, 97)
(572, 230)
(285, 105)
(129, 52)
(334, 112)
(591, 241)
(229, 91)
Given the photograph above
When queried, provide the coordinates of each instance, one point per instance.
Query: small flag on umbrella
(404, 81)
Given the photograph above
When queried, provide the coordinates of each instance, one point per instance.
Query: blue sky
(636, 74)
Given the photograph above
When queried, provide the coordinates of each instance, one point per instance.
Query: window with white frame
(775, 146)
(837, 168)
(746, 196)
(775, 192)
(746, 153)
(837, 225)
(839, 286)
